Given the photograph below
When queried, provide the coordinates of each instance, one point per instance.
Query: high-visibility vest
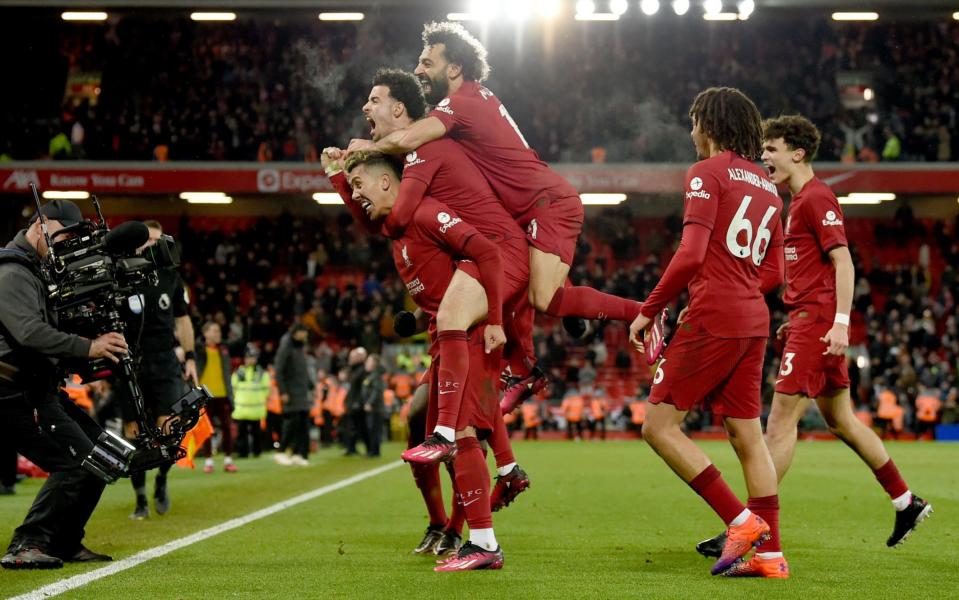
(79, 393)
(597, 406)
(273, 403)
(927, 408)
(638, 410)
(335, 401)
(402, 384)
(389, 397)
(251, 391)
(319, 395)
(531, 414)
(573, 408)
(888, 405)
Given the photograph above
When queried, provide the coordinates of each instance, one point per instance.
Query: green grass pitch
(602, 520)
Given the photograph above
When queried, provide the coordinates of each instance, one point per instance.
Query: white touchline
(82, 579)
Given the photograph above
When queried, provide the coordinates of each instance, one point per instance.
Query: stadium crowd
(904, 346)
(264, 89)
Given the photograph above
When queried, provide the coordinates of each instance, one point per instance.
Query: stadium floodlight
(955, 16)
(861, 362)
(327, 198)
(584, 8)
(746, 8)
(341, 16)
(680, 7)
(712, 7)
(651, 7)
(485, 10)
(206, 198)
(868, 94)
(55, 195)
(721, 16)
(519, 11)
(618, 7)
(213, 16)
(855, 16)
(866, 198)
(74, 15)
(548, 8)
(602, 199)
(597, 17)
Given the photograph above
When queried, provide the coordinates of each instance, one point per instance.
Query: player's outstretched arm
(402, 141)
(412, 191)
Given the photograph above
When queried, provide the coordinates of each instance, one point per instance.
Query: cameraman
(163, 324)
(42, 424)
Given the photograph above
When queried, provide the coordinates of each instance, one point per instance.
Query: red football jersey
(737, 202)
(424, 255)
(454, 180)
(475, 118)
(814, 227)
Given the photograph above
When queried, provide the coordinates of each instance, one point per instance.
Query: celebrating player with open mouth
(819, 290)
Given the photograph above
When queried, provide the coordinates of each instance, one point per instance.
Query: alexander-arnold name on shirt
(752, 179)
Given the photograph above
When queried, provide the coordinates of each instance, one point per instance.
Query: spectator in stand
(214, 371)
(572, 408)
(354, 421)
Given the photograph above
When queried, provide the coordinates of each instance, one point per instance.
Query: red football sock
(499, 442)
(767, 507)
(890, 480)
(713, 488)
(427, 478)
(454, 366)
(519, 351)
(472, 481)
(585, 302)
(458, 516)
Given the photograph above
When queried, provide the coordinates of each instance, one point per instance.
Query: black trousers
(57, 436)
(8, 461)
(249, 438)
(296, 432)
(374, 433)
(355, 430)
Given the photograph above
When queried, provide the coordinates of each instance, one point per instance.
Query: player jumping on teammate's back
(729, 256)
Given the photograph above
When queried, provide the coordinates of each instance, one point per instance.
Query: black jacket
(291, 375)
(28, 324)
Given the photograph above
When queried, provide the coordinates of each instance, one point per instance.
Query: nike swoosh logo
(780, 381)
(465, 504)
(447, 392)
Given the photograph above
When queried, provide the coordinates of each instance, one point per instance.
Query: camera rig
(93, 276)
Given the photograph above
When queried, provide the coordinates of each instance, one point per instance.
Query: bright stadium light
(713, 7)
(955, 16)
(721, 16)
(461, 17)
(855, 16)
(868, 94)
(866, 198)
(206, 198)
(519, 11)
(618, 7)
(73, 15)
(548, 8)
(327, 198)
(746, 8)
(861, 362)
(486, 10)
(602, 199)
(680, 7)
(651, 7)
(55, 195)
(341, 16)
(585, 7)
(213, 16)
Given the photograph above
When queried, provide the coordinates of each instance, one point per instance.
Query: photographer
(163, 324)
(42, 425)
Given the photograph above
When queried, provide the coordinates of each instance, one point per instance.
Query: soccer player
(442, 170)
(819, 290)
(452, 68)
(424, 256)
(729, 256)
